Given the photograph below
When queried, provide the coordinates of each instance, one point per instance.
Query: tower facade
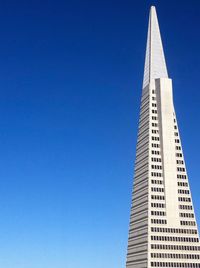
(163, 230)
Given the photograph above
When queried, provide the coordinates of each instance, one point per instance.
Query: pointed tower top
(155, 65)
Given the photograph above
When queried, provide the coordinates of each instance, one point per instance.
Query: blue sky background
(70, 86)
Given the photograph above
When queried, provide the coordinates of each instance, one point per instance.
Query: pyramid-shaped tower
(163, 230)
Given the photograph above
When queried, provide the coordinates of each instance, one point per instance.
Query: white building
(163, 230)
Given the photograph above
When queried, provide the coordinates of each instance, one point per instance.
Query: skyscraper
(163, 230)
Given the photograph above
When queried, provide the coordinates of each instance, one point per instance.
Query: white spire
(155, 65)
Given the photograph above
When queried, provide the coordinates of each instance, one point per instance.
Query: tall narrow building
(163, 229)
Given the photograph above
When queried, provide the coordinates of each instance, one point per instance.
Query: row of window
(179, 162)
(173, 230)
(158, 213)
(180, 169)
(145, 96)
(156, 174)
(154, 117)
(174, 238)
(175, 256)
(185, 184)
(158, 197)
(158, 221)
(155, 152)
(144, 104)
(188, 207)
(155, 138)
(175, 247)
(154, 124)
(156, 182)
(145, 101)
(155, 145)
(155, 189)
(180, 176)
(142, 134)
(188, 223)
(177, 141)
(156, 167)
(180, 191)
(187, 215)
(155, 131)
(184, 199)
(157, 205)
(144, 115)
(155, 159)
(144, 112)
(175, 264)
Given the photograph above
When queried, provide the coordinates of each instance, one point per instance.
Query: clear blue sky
(70, 86)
